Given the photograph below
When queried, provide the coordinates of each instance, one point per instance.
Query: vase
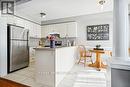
(52, 43)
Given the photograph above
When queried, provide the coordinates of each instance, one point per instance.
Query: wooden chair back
(83, 52)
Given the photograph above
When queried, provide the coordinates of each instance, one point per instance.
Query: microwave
(58, 43)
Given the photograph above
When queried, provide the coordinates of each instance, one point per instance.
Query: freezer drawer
(19, 55)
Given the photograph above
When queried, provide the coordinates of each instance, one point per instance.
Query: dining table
(99, 62)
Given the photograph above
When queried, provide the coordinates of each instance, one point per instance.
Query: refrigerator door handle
(27, 34)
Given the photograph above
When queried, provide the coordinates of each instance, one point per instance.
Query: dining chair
(84, 55)
(109, 53)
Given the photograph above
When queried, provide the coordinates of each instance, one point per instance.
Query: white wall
(3, 47)
(94, 20)
(129, 30)
(84, 21)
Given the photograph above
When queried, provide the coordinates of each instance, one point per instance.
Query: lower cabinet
(52, 66)
(32, 54)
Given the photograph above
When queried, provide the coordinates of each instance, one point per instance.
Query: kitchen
(36, 36)
(40, 40)
(66, 39)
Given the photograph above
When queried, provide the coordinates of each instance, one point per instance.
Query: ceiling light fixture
(43, 15)
(101, 3)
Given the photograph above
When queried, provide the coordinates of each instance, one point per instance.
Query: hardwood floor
(9, 83)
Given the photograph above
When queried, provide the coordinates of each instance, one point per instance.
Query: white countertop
(50, 49)
(119, 64)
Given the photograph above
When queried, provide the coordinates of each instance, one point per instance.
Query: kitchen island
(52, 64)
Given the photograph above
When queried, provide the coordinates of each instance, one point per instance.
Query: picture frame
(98, 32)
(7, 7)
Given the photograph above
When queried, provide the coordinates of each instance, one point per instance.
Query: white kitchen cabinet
(32, 54)
(46, 30)
(19, 22)
(64, 29)
(72, 29)
(34, 29)
(9, 19)
(14, 20)
(26, 24)
(37, 30)
(31, 30)
(61, 29)
(43, 31)
(58, 63)
(50, 29)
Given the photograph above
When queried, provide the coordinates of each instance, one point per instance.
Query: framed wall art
(7, 7)
(98, 32)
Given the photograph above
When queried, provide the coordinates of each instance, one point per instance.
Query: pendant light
(43, 15)
(101, 3)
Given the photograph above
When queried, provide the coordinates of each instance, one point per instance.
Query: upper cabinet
(19, 21)
(38, 30)
(64, 29)
(72, 29)
(34, 29)
(46, 30)
(61, 29)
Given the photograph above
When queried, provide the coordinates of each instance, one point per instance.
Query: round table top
(98, 51)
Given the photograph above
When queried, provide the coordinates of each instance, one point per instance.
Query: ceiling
(56, 9)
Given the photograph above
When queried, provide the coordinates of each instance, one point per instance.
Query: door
(19, 56)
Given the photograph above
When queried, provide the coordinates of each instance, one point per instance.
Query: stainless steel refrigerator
(18, 49)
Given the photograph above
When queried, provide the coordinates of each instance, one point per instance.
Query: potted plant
(98, 46)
